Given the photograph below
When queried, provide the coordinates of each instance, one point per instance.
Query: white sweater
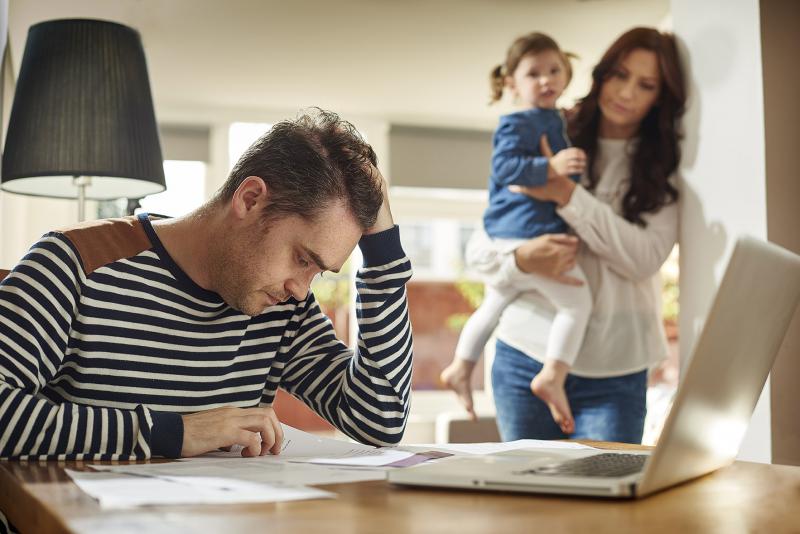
(621, 261)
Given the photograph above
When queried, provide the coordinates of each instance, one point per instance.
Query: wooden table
(745, 497)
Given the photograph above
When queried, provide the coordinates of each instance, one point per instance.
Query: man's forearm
(36, 429)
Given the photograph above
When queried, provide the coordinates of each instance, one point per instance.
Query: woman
(625, 214)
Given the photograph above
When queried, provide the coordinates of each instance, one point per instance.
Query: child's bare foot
(548, 385)
(456, 376)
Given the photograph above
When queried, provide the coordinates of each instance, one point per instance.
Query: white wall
(724, 188)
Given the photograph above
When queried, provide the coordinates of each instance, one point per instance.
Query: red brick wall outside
(430, 304)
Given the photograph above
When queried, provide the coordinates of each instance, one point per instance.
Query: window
(435, 227)
(241, 135)
(185, 189)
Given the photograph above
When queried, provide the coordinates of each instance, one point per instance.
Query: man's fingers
(251, 441)
(278, 433)
(267, 438)
(262, 423)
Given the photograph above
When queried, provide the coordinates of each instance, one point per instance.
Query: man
(139, 337)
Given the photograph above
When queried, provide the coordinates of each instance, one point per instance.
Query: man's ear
(250, 197)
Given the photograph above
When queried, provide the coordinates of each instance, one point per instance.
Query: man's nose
(298, 287)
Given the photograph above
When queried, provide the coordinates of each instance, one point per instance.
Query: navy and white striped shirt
(105, 341)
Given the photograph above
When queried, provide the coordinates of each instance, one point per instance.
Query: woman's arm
(549, 255)
(630, 250)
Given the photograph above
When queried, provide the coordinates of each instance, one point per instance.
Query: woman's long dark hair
(658, 153)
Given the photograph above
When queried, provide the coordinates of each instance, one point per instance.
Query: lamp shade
(82, 107)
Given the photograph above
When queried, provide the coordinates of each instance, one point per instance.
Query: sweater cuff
(381, 248)
(574, 210)
(166, 436)
(539, 171)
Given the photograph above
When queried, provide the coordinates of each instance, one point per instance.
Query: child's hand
(567, 162)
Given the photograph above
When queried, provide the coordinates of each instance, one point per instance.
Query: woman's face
(628, 94)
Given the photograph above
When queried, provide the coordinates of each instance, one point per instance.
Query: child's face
(539, 79)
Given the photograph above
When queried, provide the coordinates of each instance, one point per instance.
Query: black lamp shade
(82, 107)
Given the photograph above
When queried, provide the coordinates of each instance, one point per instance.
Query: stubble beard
(229, 268)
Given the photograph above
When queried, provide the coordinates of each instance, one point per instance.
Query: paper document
(299, 444)
(302, 447)
(115, 490)
(493, 448)
(251, 470)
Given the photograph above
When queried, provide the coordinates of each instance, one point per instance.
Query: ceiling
(410, 62)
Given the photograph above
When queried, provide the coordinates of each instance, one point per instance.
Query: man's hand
(257, 429)
(549, 255)
(384, 220)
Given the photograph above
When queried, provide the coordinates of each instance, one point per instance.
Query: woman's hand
(559, 186)
(549, 255)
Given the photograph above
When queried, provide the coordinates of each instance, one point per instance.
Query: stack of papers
(305, 460)
(114, 490)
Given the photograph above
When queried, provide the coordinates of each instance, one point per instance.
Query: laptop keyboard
(599, 465)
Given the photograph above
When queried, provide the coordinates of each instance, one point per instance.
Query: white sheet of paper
(299, 444)
(252, 470)
(493, 448)
(302, 447)
(116, 490)
(376, 458)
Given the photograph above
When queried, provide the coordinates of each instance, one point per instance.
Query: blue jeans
(605, 409)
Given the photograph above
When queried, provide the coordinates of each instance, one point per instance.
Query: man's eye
(303, 262)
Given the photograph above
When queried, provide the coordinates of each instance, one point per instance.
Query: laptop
(712, 409)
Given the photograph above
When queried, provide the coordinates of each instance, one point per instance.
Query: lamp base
(82, 182)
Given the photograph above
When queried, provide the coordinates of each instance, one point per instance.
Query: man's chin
(249, 308)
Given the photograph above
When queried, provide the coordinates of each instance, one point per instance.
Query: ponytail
(532, 43)
(496, 84)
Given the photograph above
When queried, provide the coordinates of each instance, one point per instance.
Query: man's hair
(309, 163)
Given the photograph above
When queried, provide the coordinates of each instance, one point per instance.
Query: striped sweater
(105, 341)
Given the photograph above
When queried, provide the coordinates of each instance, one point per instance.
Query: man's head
(295, 204)
(307, 164)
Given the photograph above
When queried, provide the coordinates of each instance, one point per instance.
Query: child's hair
(532, 43)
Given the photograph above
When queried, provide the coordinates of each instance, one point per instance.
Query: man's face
(257, 266)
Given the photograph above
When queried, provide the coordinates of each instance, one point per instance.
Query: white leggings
(573, 306)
